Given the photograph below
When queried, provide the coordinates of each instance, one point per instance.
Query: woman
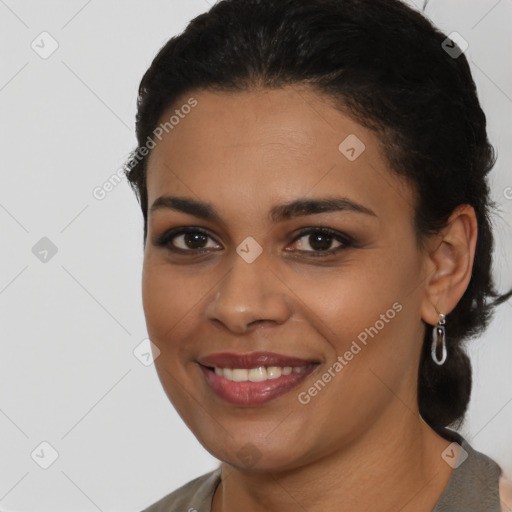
(312, 176)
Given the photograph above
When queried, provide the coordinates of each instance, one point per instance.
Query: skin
(360, 440)
(505, 487)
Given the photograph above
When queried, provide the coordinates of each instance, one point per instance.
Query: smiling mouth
(258, 374)
(244, 380)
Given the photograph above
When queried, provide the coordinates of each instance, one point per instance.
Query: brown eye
(192, 240)
(317, 241)
(186, 240)
(320, 240)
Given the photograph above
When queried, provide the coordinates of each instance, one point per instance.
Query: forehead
(274, 144)
(266, 122)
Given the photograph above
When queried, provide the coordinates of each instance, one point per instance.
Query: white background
(68, 327)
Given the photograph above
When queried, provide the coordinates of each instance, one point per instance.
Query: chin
(248, 454)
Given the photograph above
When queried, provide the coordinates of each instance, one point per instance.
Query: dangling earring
(439, 340)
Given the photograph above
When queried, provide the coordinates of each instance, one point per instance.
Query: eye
(195, 240)
(186, 240)
(321, 240)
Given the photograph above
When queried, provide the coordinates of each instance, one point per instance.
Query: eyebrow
(297, 208)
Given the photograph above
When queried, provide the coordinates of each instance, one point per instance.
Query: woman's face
(336, 316)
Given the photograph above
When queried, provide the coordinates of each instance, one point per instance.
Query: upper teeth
(258, 374)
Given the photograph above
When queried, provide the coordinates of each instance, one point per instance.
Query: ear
(449, 264)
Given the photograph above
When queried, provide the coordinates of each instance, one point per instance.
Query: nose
(250, 294)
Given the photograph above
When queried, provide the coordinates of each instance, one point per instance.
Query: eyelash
(346, 241)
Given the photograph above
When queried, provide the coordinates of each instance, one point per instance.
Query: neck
(393, 466)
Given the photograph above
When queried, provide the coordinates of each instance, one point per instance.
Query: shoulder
(194, 496)
(475, 482)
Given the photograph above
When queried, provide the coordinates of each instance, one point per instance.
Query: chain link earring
(439, 341)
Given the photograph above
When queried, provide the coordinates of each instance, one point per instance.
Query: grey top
(473, 486)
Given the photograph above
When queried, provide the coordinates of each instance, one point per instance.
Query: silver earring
(439, 340)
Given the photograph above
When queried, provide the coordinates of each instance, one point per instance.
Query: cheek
(361, 314)
(350, 298)
(169, 301)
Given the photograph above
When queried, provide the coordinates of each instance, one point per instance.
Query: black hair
(386, 65)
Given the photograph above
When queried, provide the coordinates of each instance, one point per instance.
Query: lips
(230, 376)
(251, 360)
